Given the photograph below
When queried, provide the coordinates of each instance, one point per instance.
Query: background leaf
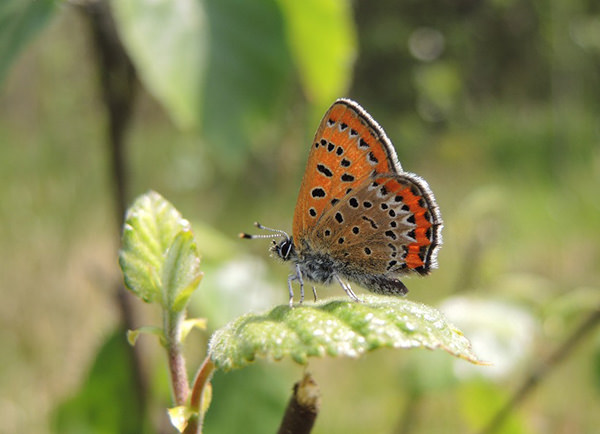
(258, 394)
(480, 400)
(20, 21)
(151, 224)
(167, 41)
(247, 85)
(335, 328)
(324, 57)
(106, 402)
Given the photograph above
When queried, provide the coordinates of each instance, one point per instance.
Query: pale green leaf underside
(181, 271)
(335, 327)
(151, 224)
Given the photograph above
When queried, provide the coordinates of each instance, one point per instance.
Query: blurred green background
(496, 103)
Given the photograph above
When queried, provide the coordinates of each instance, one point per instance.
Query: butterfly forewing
(348, 148)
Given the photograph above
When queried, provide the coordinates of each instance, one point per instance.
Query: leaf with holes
(335, 327)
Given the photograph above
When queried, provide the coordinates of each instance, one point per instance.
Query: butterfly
(359, 217)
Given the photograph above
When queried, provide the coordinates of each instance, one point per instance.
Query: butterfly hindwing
(388, 226)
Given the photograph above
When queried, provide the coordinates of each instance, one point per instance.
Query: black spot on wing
(324, 170)
(318, 192)
(371, 221)
(391, 234)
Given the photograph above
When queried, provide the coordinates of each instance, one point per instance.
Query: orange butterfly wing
(349, 151)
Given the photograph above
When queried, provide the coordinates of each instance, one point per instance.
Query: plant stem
(542, 370)
(179, 378)
(201, 381)
(303, 407)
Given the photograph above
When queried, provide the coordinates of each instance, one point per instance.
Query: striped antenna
(276, 233)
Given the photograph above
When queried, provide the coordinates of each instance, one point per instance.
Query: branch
(303, 407)
(118, 81)
(118, 85)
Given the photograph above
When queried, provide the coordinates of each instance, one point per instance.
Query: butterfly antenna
(276, 233)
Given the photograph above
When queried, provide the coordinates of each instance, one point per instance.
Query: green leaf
(258, 394)
(106, 401)
(20, 21)
(181, 272)
(151, 225)
(133, 335)
(335, 328)
(322, 38)
(249, 76)
(189, 324)
(480, 401)
(167, 41)
(179, 416)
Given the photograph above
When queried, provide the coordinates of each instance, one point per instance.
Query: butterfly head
(283, 249)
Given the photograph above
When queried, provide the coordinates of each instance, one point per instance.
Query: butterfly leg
(296, 276)
(347, 288)
(291, 278)
(299, 274)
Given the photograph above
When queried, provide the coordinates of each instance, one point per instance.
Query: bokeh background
(495, 102)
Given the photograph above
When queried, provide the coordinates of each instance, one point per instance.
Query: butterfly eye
(284, 248)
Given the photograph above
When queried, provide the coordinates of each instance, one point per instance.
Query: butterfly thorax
(319, 268)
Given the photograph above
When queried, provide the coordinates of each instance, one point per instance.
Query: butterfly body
(359, 216)
(314, 266)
